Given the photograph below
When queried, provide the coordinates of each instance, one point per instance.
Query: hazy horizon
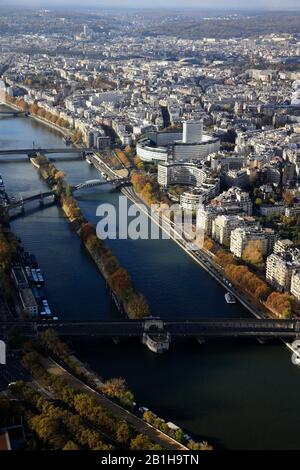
(167, 4)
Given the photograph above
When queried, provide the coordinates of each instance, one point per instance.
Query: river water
(237, 395)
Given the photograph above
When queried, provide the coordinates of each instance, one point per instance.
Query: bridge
(33, 151)
(197, 328)
(25, 200)
(13, 113)
(97, 182)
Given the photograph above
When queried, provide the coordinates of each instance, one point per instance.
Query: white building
(223, 225)
(240, 237)
(192, 132)
(189, 174)
(280, 268)
(189, 144)
(295, 284)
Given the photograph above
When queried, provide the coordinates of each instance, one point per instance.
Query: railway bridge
(156, 327)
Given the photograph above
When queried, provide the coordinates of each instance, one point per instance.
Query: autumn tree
(120, 282)
(288, 197)
(110, 262)
(242, 277)
(208, 244)
(117, 388)
(123, 433)
(149, 417)
(59, 175)
(253, 252)
(224, 259)
(281, 304)
(140, 442)
(86, 231)
(137, 307)
(200, 446)
(71, 445)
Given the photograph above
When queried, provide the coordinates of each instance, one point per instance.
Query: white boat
(229, 298)
(296, 352)
(157, 344)
(88, 160)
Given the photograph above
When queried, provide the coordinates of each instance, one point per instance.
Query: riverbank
(202, 260)
(41, 120)
(127, 299)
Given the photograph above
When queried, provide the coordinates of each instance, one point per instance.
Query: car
(11, 384)
(143, 409)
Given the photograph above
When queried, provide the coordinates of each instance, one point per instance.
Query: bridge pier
(41, 201)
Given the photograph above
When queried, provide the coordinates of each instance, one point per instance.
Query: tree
(50, 430)
(123, 433)
(288, 197)
(179, 435)
(68, 190)
(70, 445)
(114, 387)
(86, 231)
(224, 259)
(140, 442)
(253, 252)
(110, 263)
(34, 108)
(137, 307)
(247, 281)
(208, 244)
(59, 175)
(120, 282)
(281, 304)
(200, 446)
(149, 417)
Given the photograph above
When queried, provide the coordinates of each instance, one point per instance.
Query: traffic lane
(12, 372)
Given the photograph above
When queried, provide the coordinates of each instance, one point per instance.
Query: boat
(158, 343)
(35, 277)
(229, 298)
(46, 308)
(28, 274)
(34, 162)
(40, 277)
(295, 347)
(88, 160)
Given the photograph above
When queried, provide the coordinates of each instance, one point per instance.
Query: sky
(217, 4)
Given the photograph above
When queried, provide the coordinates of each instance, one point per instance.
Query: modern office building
(189, 144)
(192, 132)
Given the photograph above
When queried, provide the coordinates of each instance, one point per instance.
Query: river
(237, 395)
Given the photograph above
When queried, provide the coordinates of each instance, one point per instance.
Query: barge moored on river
(156, 343)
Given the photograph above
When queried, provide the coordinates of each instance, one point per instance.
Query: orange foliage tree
(281, 304)
(253, 252)
(247, 281)
(224, 259)
(120, 282)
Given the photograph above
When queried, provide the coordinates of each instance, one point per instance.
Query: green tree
(123, 433)
(70, 445)
(140, 442)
